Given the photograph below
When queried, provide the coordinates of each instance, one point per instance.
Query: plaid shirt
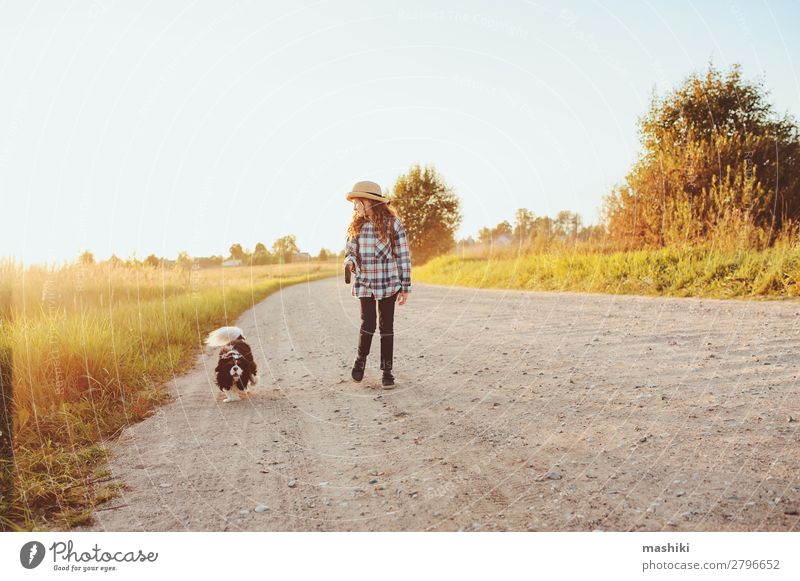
(377, 273)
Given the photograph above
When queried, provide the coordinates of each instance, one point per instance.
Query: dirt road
(513, 411)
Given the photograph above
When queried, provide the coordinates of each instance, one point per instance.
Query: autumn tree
(430, 212)
(714, 155)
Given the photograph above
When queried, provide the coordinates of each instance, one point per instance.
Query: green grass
(682, 272)
(90, 349)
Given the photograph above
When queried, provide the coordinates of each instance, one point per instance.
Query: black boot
(358, 368)
(388, 379)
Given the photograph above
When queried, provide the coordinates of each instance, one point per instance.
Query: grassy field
(90, 349)
(695, 271)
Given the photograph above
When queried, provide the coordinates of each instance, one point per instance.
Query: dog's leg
(229, 396)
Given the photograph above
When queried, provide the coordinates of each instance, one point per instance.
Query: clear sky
(154, 127)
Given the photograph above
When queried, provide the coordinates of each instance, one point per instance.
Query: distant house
(232, 262)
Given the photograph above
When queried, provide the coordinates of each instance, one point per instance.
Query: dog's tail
(223, 336)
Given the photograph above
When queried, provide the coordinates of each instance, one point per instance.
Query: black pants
(385, 327)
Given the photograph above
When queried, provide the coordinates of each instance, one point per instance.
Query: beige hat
(369, 190)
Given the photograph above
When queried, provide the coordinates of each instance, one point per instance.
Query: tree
(430, 212)
(86, 258)
(237, 253)
(503, 229)
(184, 260)
(489, 235)
(115, 261)
(285, 247)
(153, 261)
(714, 153)
(567, 224)
(209, 261)
(132, 261)
(523, 224)
(260, 255)
(325, 254)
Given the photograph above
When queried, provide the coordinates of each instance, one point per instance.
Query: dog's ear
(224, 380)
(223, 365)
(247, 353)
(250, 359)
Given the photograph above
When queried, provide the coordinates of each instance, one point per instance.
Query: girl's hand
(353, 265)
(402, 298)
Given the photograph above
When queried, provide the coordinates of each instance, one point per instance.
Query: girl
(377, 250)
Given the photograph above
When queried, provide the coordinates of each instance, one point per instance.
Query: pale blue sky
(155, 127)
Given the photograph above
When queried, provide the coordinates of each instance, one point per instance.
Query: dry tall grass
(90, 348)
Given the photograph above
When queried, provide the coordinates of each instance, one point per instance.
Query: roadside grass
(90, 349)
(673, 271)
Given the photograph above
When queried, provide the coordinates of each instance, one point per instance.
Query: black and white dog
(236, 366)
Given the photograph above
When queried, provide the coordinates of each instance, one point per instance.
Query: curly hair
(380, 212)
